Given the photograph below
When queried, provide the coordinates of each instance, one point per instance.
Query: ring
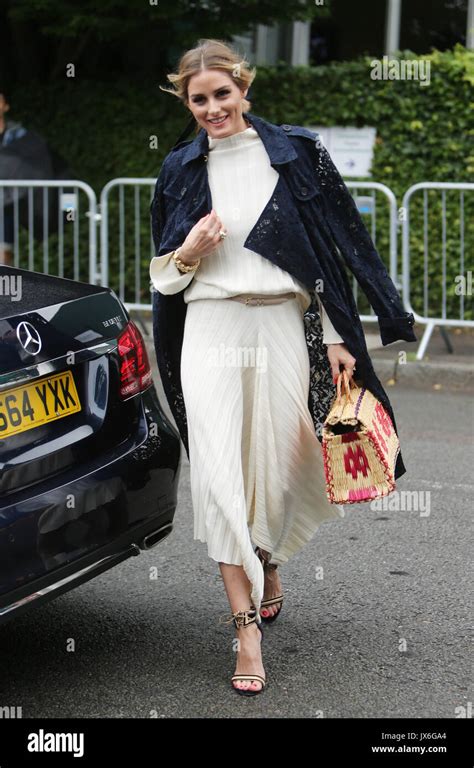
(222, 234)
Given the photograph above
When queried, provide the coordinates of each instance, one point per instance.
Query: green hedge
(424, 133)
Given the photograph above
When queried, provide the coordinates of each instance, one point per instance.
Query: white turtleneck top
(241, 180)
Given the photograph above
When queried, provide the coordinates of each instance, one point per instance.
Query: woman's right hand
(202, 239)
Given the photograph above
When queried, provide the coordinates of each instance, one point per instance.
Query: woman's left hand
(338, 355)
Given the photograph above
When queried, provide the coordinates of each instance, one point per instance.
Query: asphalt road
(385, 632)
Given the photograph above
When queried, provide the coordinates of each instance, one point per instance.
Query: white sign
(351, 149)
(365, 204)
(68, 201)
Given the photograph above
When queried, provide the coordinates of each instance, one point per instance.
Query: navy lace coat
(309, 222)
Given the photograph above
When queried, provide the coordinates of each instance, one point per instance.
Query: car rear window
(36, 290)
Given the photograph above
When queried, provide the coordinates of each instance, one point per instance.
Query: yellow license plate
(45, 400)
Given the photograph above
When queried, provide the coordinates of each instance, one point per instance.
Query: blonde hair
(211, 54)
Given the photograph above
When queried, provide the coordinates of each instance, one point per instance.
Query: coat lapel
(279, 219)
(281, 222)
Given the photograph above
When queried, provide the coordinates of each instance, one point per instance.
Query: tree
(134, 37)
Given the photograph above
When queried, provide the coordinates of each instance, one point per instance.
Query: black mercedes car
(89, 462)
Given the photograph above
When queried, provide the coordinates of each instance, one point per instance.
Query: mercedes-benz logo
(29, 338)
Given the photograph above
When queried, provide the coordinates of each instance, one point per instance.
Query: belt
(255, 299)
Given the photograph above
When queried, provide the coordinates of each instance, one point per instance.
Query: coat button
(286, 127)
(304, 190)
(183, 191)
(205, 158)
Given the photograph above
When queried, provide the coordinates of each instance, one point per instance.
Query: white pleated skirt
(256, 464)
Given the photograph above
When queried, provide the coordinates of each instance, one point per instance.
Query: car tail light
(135, 371)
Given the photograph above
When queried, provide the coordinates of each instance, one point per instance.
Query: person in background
(25, 154)
(9, 131)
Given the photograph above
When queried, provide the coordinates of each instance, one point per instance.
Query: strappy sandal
(244, 619)
(272, 600)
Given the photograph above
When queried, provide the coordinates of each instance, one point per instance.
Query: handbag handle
(348, 385)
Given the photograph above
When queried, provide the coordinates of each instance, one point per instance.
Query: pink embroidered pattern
(384, 419)
(361, 494)
(379, 435)
(355, 461)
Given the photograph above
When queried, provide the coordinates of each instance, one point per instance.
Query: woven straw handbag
(360, 446)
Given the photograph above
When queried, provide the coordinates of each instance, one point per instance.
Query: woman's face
(213, 94)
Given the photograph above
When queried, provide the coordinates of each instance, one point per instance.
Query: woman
(256, 470)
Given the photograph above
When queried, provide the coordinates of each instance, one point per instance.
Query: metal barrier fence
(127, 260)
(43, 216)
(367, 205)
(126, 243)
(131, 271)
(440, 265)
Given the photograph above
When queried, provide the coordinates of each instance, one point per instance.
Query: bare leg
(272, 588)
(249, 657)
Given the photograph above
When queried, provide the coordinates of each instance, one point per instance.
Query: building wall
(357, 28)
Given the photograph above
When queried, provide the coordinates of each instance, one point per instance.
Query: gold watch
(182, 267)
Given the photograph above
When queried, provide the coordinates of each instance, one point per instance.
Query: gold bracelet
(182, 267)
